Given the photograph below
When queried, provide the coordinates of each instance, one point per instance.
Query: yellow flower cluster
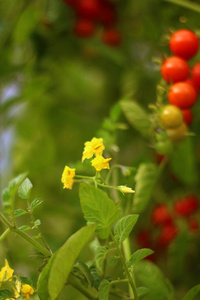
(96, 147)
(92, 148)
(6, 274)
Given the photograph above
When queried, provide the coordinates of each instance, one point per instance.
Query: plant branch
(76, 284)
(186, 4)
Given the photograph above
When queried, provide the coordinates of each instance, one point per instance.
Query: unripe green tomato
(164, 147)
(178, 133)
(171, 116)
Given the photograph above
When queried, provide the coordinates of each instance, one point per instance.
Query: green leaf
(25, 189)
(35, 203)
(65, 258)
(42, 285)
(139, 255)
(112, 260)
(25, 280)
(136, 116)
(83, 271)
(141, 291)
(27, 22)
(124, 227)
(9, 192)
(149, 275)
(100, 257)
(36, 223)
(5, 294)
(98, 208)
(183, 162)
(19, 212)
(192, 292)
(104, 290)
(24, 227)
(145, 178)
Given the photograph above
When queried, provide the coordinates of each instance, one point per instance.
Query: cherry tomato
(186, 206)
(164, 147)
(187, 116)
(178, 133)
(88, 9)
(107, 13)
(182, 94)
(171, 116)
(111, 37)
(193, 225)
(161, 215)
(196, 74)
(193, 84)
(84, 28)
(167, 235)
(175, 69)
(184, 43)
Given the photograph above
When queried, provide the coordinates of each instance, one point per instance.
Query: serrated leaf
(82, 269)
(192, 292)
(64, 261)
(150, 276)
(124, 227)
(104, 290)
(136, 116)
(183, 162)
(145, 178)
(100, 257)
(98, 208)
(35, 203)
(96, 278)
(25, 189)
(19, 212)
(24, 227)
(139, 255)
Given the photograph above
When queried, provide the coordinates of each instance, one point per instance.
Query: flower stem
(129, 277)
(4, 234)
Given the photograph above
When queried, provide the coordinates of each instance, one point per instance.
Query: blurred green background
(57, 90)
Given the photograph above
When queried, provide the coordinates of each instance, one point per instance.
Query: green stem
(129, 277)
(127, 255)
(4, 234)
(35, 244)
(76, 284)
(186, 4)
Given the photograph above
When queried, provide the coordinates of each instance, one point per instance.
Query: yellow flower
(99, 162)
(6, 272)
(125, 189)
(67, 177)
(27, 290)
(95, 146)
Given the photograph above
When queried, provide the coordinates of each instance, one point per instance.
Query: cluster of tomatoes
(184, 83)
(165, 225)
(92, 13)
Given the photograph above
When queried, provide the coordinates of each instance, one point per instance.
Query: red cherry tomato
(187, 116)
(193, 84)
(107, 13)
(88, 9)
(161, 215)
(167, 235)
(84, 28)
(184, 43)
(182, 94)
(186, 206)
(175, 69)
(111, 37)
(196, 74)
